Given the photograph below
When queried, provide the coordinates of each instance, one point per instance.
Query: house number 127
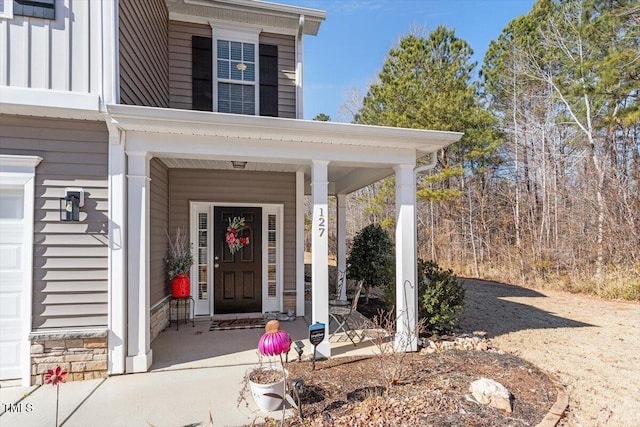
(322, 225)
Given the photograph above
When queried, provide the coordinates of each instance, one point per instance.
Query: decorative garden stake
(316, 336)
(55, 377)
(275, 342)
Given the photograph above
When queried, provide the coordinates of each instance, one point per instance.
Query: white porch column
(139, 354)
(341, 200)
(117, 252)
(406, 286)
(300, 309)
(320, 251)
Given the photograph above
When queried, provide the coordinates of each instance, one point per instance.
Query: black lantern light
(70, 205)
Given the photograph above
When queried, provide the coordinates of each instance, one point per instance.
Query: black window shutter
(268, 80)
(201, 74)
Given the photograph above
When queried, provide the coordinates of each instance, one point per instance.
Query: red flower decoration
(56, 376)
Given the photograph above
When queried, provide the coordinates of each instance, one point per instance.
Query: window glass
(236, 73)
(11, 203)
(45, 9)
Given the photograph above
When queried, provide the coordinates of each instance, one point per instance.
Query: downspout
(416, 171)
(299, 76)
(431, 165)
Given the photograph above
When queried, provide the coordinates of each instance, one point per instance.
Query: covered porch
(318, 159)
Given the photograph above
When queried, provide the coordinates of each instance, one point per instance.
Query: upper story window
(45, 9)
(233, 73)
(236, 76)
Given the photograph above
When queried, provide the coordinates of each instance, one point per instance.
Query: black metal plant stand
(187, 305)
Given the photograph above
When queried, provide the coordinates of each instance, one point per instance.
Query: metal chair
(341, 314)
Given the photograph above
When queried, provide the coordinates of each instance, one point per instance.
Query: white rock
(492, 393)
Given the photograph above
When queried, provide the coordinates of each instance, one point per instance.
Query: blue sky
(354, 40)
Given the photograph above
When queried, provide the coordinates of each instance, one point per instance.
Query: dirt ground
(591, 345)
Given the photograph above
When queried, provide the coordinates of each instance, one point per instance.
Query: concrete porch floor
(195, 373)
(197, 347)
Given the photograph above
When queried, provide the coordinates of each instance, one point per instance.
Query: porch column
(320, 251)
(139, 354)
(341, 200)
(406, 287)
(300, 309)
(117, 252)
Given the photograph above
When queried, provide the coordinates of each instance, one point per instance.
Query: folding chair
(341, 314)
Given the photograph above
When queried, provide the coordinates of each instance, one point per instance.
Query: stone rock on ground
(492, 393)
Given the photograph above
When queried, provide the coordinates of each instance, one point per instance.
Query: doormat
(225, 325)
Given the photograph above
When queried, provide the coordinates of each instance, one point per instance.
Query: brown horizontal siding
(159, 212)
(186, 185)
(70, 259)
(144, 69)
(180, 34)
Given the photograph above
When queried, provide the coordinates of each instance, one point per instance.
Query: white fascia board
(254, 150)
(49, 98)
(186, 122)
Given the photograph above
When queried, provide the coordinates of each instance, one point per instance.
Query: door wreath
(234, 239)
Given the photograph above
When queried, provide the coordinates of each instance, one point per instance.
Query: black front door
(238, 276)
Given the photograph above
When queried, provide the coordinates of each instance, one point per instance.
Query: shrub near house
(441, 296)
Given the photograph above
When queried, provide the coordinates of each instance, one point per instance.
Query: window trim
(244, 35)
(7, 12)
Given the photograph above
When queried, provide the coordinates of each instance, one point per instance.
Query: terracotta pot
(180, 287)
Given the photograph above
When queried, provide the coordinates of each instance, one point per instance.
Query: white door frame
(268, 304)
(20, 171)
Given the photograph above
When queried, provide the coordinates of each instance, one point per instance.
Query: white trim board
(20, 171)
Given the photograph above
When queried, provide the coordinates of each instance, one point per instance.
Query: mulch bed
(353, 391)
(432, 389)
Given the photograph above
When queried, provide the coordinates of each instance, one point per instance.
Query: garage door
(12, 226)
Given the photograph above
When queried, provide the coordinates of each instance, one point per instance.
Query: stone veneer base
(82, 353)
(159, 317)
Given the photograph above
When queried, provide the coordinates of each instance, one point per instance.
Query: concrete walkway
(195, 373)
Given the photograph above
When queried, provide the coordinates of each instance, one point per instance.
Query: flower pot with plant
(178, 262)
(269, 384)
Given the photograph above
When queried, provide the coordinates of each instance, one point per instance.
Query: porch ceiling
(342, 179)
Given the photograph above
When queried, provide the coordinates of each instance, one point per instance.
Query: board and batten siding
(159, 217)
(144, 67)
(286, 72)
(180, 34)
(64, 54)
(70, 258)
(180, 76)
(200, 185)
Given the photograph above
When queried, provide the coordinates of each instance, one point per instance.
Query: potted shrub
(178, 262)
(268, 383)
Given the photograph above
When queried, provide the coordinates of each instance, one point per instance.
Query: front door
(237, 278)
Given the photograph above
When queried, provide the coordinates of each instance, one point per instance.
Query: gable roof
(248, 12)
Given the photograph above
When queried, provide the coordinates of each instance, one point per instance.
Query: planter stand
(188, 303)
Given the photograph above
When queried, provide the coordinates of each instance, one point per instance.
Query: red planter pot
(180, 287)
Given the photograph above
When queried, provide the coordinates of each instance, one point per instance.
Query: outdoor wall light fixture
(238, 164)
(71, 203)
